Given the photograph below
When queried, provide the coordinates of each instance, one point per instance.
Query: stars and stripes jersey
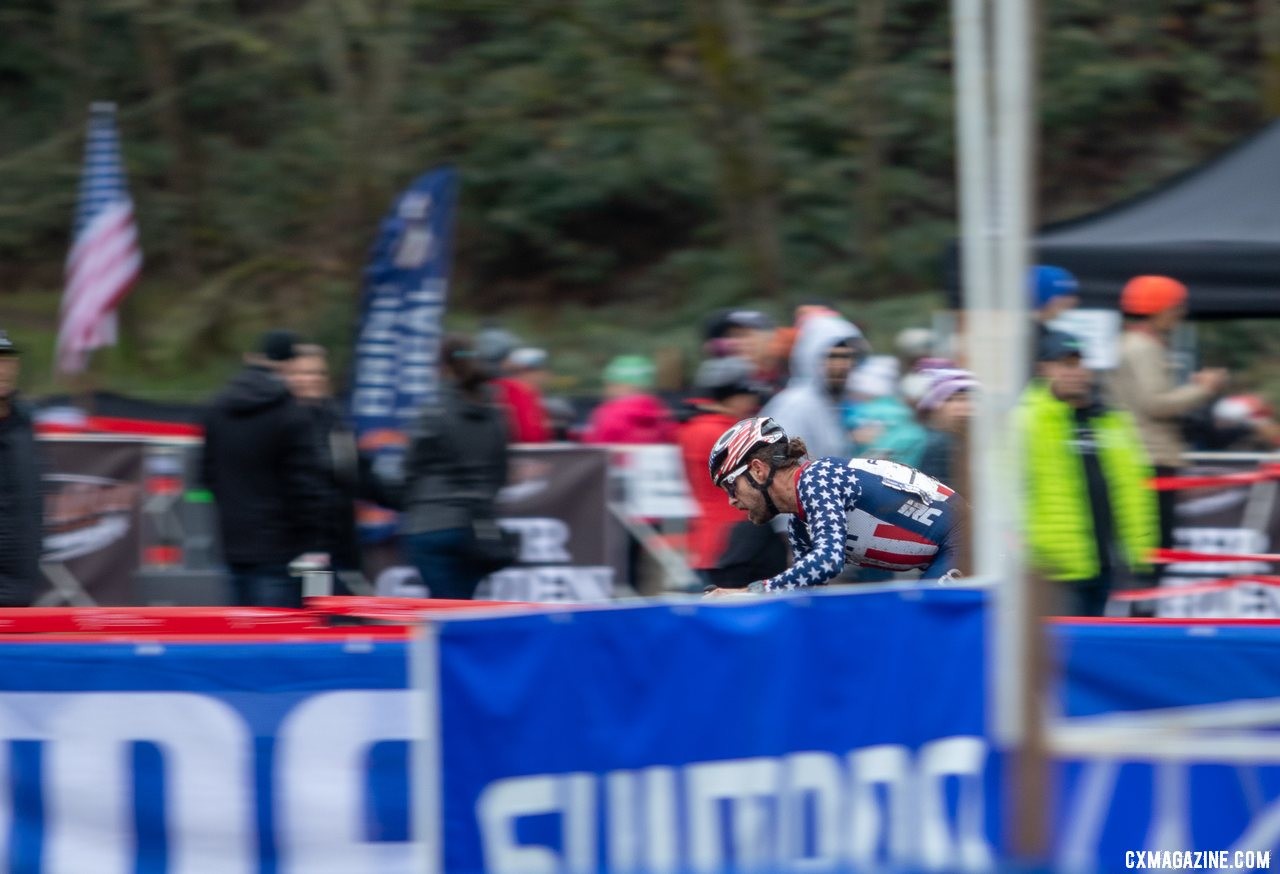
(872, 513)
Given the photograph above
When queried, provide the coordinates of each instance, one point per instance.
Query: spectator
(880, 423)
(826, 350)
(1239, 423)
(1090, 512)
(630, 413)
(945, 409)
(515, 387)
(1143, 383)
(455, 465)
(1053, 291)
(748, 334)
(519, 390)
(21, 494)
(722, 554)
(347, 474)
(261, 464)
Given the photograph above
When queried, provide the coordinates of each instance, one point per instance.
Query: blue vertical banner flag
(398, 343)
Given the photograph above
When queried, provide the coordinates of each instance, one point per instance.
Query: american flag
(104, 260)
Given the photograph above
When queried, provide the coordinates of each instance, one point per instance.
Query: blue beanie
(1046, 282)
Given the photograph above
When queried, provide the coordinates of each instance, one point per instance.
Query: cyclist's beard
(759, 514)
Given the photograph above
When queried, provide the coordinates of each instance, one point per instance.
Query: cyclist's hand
(716, 592)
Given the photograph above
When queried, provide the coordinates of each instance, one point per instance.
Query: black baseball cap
(722, 322)
(1056, 345)
(278, 345)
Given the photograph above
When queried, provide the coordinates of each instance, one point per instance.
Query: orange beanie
(1148, 295)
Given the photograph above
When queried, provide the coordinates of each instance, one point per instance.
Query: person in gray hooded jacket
(456, 463)
(827, 349)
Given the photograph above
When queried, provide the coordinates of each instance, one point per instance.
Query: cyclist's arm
(822, 493)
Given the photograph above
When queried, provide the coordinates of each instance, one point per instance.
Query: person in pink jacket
(630, 413)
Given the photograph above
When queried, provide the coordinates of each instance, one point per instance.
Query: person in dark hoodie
(21, 499)
(348, 473)
(261, 464)
(455, 465)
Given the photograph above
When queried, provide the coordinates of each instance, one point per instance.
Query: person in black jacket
(456, 463)
(348, 474)
(261, 464)
(21, 496)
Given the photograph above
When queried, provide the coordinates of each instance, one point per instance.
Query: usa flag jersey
(872, 513)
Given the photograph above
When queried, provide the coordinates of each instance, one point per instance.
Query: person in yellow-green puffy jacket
(1091, 514)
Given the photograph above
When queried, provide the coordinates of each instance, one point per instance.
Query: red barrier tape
(1172, 556)
(1163, 620)
(1245, 478)
(236, 623)
(401, 609)
(1194, 589)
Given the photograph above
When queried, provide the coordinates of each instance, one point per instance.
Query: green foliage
(265, 138)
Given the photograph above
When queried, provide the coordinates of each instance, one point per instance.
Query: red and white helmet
(729, 457)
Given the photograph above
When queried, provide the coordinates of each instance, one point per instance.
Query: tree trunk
(1269, 51)
(155, 44)
(70, 26)
(738, 132)
(869, 134)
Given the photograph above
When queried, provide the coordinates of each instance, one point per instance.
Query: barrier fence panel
(232, 758)
(813, 732)
(1169, 741)
(1225, 506)
(129, 524)
(821, 732)
(93, 504)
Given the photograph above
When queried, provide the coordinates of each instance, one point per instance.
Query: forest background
(626, 167)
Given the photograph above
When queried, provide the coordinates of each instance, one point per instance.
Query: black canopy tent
(1215, 227)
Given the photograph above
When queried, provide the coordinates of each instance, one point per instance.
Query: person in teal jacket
(1090, 510)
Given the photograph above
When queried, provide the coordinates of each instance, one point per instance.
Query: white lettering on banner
(1225, 541)
(811, 777)
(325, 742)
(543, 540)
(561, 583)
(207, 753)
(373, 402)
(642, 827)
(572, 795)
(749, 786)
(755, 813)
(887, 766)
(88, 788)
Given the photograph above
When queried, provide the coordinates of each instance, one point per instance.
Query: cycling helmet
(730, 453)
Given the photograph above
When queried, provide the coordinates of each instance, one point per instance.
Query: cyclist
(860, 511)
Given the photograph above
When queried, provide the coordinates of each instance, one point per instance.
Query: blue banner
(227, 758)
(818, 731)
(398, 343)
(1212, 786)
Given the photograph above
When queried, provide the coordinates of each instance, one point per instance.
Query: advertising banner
(1232, 519)
(801, 733)
(556, 501)
(224, 758)
(1190, 716)
(398, 342)
(93, 501)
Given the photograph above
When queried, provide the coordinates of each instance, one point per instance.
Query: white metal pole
(1010, 351)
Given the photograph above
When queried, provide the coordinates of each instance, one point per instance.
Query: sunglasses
(729, 483)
